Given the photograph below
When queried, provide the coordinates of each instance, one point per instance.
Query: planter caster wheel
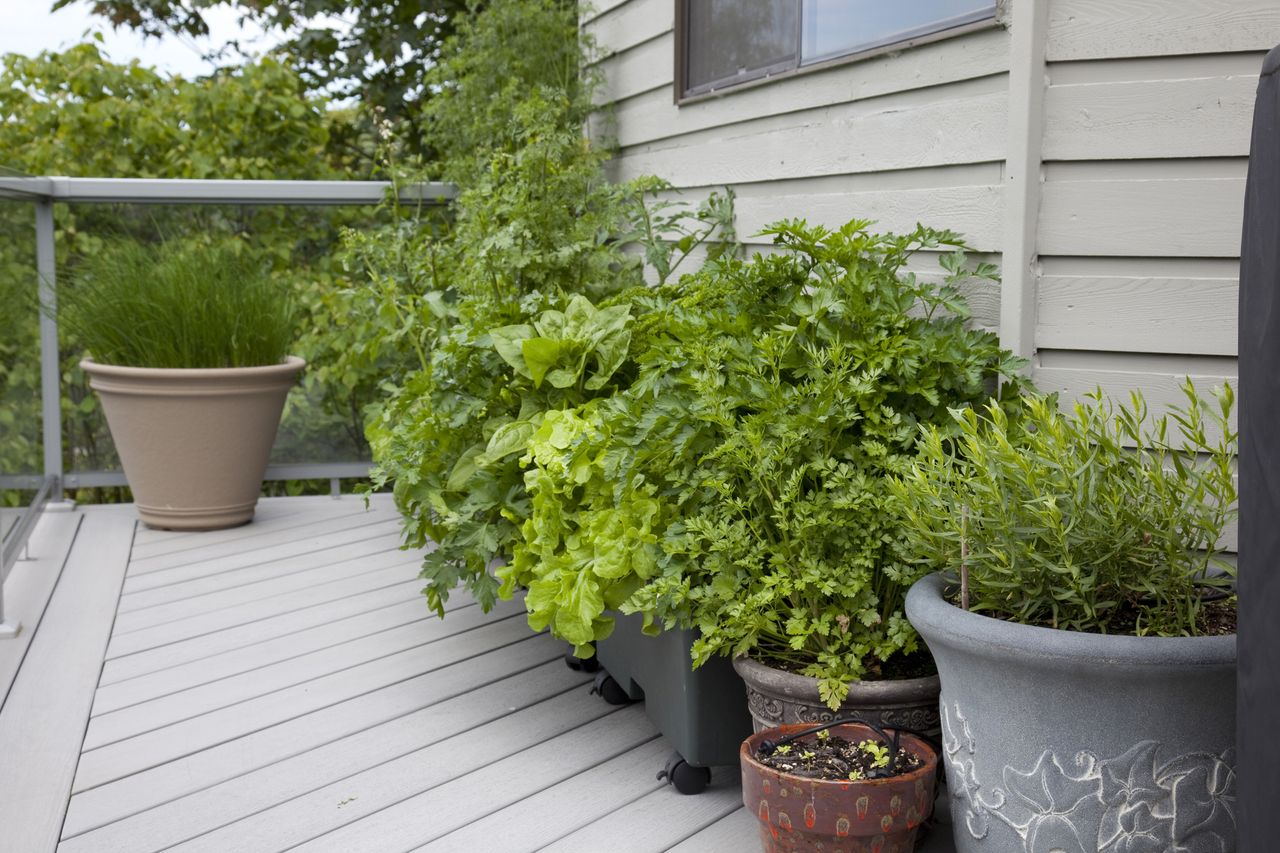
(608, 689)
(685, 777)
(578, 664)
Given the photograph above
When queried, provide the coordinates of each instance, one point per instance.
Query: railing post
(50, 364)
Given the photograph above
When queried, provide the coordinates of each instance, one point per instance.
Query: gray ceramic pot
(1059, 740)
(777, 698)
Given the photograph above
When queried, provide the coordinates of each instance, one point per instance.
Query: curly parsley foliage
(739, 484)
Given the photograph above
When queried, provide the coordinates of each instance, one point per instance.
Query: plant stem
(964, 558)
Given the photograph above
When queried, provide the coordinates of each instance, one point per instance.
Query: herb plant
(739, 484)
(1104, 519)
(179, 305)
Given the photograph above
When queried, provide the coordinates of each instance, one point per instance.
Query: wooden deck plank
(733, 833)
(231, 760)
(536, 698)
(443, 809)
(44, 715)
(185, 568)
(354, 797)
(151, 685)
(176, 740)
(268, 585)
(199, 586)
(659, 819)
(291, 518)
(31, 584)
(541, 818)
(256, 611)
(243, 636)
(418, 638)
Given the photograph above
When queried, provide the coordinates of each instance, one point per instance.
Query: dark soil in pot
(803, 813)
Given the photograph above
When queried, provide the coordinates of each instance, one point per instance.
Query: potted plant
(188, 350)
(737, 488)
(1082, 623)
(840, 786)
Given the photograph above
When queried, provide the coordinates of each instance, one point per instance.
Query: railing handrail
(205, 191)
(45, 191)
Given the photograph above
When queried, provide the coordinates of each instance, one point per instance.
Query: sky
(28, 27)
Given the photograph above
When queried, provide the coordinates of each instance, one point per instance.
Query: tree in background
(375, 53)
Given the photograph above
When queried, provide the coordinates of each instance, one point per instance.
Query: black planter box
(702, 712)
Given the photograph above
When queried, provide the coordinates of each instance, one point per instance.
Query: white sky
(28, 27)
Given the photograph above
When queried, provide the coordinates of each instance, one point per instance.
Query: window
(726, 42)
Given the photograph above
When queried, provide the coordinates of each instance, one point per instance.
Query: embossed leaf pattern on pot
(1049, 806)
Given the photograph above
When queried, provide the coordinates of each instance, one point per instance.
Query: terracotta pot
(868, 816)
(194, 443)
(776, 697)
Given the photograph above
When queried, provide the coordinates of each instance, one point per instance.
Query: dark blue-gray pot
(1082, 743)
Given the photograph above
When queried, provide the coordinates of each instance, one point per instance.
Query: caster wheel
(578, 664)
(609, 690)
(685, 777)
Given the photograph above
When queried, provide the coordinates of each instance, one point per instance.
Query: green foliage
(380, 55)
(1100, 520)
(515, 310)
(739, 484)
(179, 306)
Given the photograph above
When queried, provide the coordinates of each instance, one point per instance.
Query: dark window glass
(735, 40)
(835, 27)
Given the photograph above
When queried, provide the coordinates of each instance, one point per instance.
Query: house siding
(1143, 148)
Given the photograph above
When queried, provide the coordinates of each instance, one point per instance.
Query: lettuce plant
(740, 483)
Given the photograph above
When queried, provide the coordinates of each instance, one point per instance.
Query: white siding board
(1100, 29)
(839, 140)
(1196, 217)
(176, 740)
(266, 521)
(1123, 314)
(1203, 117)
(646, 67)
(630, 24)
(973, 211)
(284, 746)
(727, 835)
(653, 116)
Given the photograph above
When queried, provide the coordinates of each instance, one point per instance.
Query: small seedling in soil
(836, 759)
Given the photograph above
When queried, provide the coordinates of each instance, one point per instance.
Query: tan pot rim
(291, 365)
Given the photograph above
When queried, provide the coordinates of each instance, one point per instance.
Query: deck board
(283, 686)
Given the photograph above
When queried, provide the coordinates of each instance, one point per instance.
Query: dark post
(1258, 706)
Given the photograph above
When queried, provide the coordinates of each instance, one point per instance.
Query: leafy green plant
(179, 306)
(1103, 519)
(739, 484)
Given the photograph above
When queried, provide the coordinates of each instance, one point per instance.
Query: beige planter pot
(194, 443)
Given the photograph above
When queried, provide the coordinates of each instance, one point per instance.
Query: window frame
(782, 71)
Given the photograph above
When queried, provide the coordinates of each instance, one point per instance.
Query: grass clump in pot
(179, 305)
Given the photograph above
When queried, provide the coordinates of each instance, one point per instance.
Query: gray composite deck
(282, 686)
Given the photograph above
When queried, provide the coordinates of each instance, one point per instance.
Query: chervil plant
(739, 484)
(1101, 519)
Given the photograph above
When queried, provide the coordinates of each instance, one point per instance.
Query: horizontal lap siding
(901, 139)
(1146, 138)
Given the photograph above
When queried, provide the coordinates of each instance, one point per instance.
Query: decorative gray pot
(1060, 740)
(776, 697)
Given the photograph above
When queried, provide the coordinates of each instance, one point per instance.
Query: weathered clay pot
(776, 697)
(1061, 740)
(869, 816)
(194, 443)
